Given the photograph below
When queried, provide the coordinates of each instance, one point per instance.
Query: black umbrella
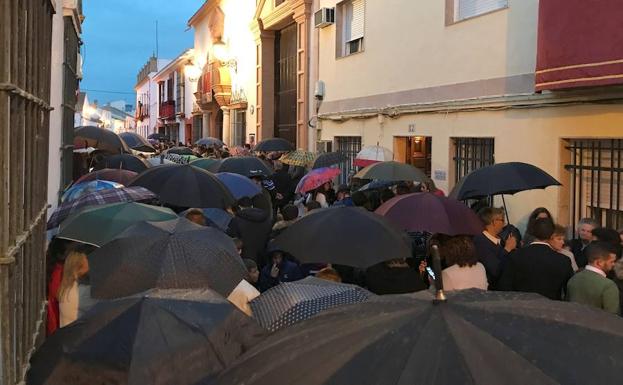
(158, 136)
(292, 302)
(476, 337)
(174, 254)
(349, 236)
(327, 159)
(274, 144)
(185, 186)
(244, 165)
(175, 337)
(100, 138)
(180, 151)
(124, 162)
(502, 178)
(136, 142)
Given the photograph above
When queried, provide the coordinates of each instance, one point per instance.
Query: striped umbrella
(316, 178)
(125, 194)
(292, 302)
(84, 188)
(298, 158)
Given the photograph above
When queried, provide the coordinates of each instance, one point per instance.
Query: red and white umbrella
(372, 154)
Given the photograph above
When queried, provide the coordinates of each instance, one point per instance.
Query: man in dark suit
(493, 251)
(537, 268)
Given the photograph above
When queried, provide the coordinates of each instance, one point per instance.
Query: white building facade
(146, 116)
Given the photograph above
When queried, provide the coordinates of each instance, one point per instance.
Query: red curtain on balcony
(580, 44)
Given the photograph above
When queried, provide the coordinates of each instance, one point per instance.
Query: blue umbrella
(292, 302)
(239, 186)
(216, 217)
(80, 189)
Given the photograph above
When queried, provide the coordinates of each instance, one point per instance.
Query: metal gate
(25, 44)
(349, 146)
(596, 181)
(285, 87)
(471, 154)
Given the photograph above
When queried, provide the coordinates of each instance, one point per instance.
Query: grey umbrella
(292, 302)
(174, 254)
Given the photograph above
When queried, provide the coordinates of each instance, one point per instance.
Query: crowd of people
(587, 268)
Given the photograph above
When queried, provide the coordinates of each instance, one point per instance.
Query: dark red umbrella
(112, 174)
(431, 213)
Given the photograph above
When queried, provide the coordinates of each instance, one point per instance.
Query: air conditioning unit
(324, 17)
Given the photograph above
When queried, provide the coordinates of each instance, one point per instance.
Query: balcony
(167, 110)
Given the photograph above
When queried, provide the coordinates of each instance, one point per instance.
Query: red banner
(580, 44)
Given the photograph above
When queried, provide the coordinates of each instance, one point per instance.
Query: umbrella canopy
(161, 337)
(78, 190)
(179, 159)
(343, 235)
(244, 165)
(111, 174)
(274, 144)
(125, 162)
(327, 159)
(158, 136)
(431, 213)
(100, 138)
(372, 154)
(298, 158)
(185, 186)
(210, 142)
(392, 171)
(175, 254)
(137, 142)
(100, 224)
(292, 302)
(204, 163)
(377, 185)
(502, 178)
(125, 194)
(180, 151)
(239, 186)
(476, 337)
(316, 178)
(218, 217)
(158, 160)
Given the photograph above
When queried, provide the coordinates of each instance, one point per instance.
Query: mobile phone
(430, 272)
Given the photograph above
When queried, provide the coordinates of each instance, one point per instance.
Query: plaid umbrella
(316, 178)
(81, 189)
(292, 302)
(112, 174)
(327, 159)
(125, 194)
(298, 158)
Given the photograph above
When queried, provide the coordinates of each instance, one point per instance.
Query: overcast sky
(120, 35)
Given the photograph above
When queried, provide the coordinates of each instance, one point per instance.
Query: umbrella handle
(439, 294)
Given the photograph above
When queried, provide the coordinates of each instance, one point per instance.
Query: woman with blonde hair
(76, 266)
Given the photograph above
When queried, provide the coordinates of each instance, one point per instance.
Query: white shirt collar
(595, 270)
(491, 237)
(542, 243)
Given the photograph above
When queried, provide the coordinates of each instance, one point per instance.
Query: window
(595, 176)
(465, 9)
(471, 154)
(239, 127)
(349, 146)
(351, 24)
(180, 90)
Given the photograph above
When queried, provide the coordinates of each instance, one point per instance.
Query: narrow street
(311, 192)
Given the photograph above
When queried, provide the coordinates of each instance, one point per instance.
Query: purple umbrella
(431, 213)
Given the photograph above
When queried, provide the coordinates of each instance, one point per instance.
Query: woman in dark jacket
(538, 213)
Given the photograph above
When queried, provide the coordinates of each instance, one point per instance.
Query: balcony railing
(167, 110)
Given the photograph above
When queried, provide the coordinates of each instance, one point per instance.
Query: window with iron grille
(471, 154)
(180, 89)
(239, 129)
(349, 146)
(595, 175)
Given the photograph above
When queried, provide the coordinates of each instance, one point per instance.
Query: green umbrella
(100, 224)
(392, 171)
(203, 163)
